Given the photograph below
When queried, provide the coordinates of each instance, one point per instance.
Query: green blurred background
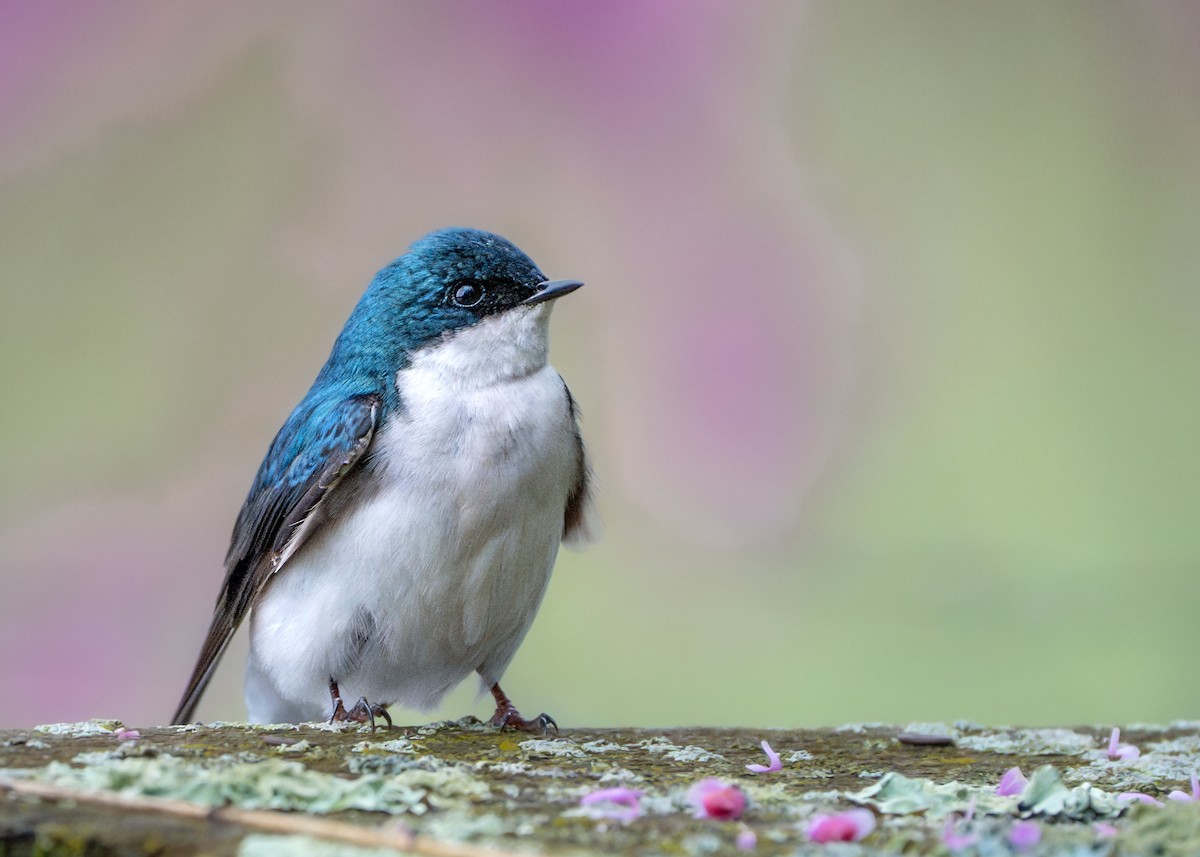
(888, 356)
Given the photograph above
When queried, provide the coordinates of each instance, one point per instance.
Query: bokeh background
(888, 356)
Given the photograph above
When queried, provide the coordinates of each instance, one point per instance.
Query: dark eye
(468, 294)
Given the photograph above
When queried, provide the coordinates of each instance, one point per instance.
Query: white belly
(438, 570)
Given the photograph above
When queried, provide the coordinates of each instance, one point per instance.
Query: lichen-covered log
(461, 788)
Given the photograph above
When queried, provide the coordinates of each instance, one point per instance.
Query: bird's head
(465, 296)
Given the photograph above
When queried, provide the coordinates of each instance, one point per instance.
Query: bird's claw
(362, 712)
(510, 718)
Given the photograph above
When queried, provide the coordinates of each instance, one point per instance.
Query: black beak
(552, 289)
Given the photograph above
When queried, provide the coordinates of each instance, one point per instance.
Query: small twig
(267, 821)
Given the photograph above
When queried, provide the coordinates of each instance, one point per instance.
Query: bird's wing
(317, 447)
(580, 521)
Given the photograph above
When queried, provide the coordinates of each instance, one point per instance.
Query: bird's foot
(362, 712)
(510, 718)
(507, 717)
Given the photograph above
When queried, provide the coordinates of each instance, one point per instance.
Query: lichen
(1163, 762)
(270, 784)
(463, 827)
(859, 728)
(80, 730)
(1047, 795)
(396, 745)
(264, 845)
(468, 782)
(1030, 742)
(552, 747)
(687, 753)
(942, 729)
(896, 794)
(1184, 745)
(1171, 831)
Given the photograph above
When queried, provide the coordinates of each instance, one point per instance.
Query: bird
(402, 528)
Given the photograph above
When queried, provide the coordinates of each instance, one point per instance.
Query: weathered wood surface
(460, 788)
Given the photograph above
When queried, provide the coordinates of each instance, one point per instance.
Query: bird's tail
(215, 644)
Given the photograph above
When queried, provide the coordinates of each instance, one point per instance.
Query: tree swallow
(401, 530)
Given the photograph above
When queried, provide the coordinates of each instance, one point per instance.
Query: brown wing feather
(282, 510)
(578, 521)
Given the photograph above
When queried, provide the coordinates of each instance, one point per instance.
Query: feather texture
(402, 527)
(284, 502)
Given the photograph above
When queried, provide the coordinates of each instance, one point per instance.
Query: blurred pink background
(887, 359)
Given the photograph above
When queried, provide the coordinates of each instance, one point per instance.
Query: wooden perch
(462, 790)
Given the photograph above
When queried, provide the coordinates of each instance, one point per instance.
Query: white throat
(501, 347)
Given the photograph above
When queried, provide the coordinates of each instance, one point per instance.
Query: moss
(1172, 831)
(463, 781)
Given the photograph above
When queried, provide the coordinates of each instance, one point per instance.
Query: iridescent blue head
(448, 281)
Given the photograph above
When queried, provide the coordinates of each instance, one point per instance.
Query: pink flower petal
(1104, 829)
(954, 840)
(1012, 783)
(1140, 797)
(1118, 751)
(713, 798)
(625, 802)
(621, 795)
(1024, 835)
(746, 840)
(124, 734)
(849, 826)
(1184, 796)
(776, 763)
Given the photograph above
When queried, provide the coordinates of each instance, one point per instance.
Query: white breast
(438, 570)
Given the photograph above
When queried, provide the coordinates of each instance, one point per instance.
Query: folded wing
(320, 444)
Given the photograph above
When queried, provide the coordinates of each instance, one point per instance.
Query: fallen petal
(746, 840)
(954, 840)
(1025, 835)
(1118, 751)
(713, 798)
(776, 763)
(1140, 797)
(621, 795)
(958, 841)
(1012, 783)
(1184, 796)
(625, 802)
(849, 826)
